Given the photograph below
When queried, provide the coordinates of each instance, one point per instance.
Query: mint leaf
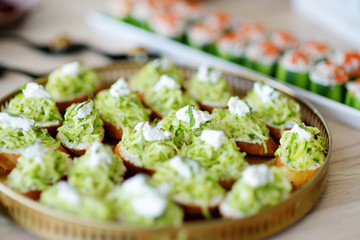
(192, 119)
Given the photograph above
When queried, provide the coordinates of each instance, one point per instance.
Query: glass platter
(182, 53)
(54, 224)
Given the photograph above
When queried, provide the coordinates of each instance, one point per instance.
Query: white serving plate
(184, 54)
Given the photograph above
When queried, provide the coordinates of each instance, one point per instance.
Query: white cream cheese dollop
(34, 90)
(119, 88)
(35, 151)
(84, 109)
(255, 53)
(265, 92)
(236, 106)
(145, 199)
(323, 74)
(162, 63)
(215, 138)
(233, 48)
(354, 88)
(152, 133)
(299, 66)
(228, 211)
(67, 193)
(99, 155)
(199, 116)
(205, 74)
(257, 175)
(302, 133)
(184, 167)
(71, 69)
(166, 82)
(20, 122)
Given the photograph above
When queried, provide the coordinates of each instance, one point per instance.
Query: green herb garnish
(192, 119)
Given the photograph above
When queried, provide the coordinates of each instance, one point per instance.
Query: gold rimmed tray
(55, 224)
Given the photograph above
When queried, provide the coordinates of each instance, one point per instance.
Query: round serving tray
(55, 224)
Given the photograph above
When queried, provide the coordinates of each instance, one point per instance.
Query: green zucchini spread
(82, 126)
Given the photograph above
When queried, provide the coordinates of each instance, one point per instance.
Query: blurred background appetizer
(209, 88)
(259, 187)
(73, 82)
(138, 201)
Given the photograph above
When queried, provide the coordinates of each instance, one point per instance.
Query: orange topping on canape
(248, 28)
(299, 56)
(269, 48)
(286, 37)
(340, 74)
(218, 19)
(194, 4)
(316, 46)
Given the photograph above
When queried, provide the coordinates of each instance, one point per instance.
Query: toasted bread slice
(258, 148)
(71, 148)
(131, 167)
(50, 126)
(209, 106)
(63, 104)
(195, 211)
(141, 97)
(112, 130)
(8, 160)
(155, 114)
(276, 132)
(33, 194)
(297, 178)
(227, 183)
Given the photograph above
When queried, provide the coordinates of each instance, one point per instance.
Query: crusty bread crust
(154, 114)
(73, 151)
(195, 211)
(112, 130)
(227, 183)
(33, 194)
(141, 97)
(62, 149)
(276, 132)
(258, 148)
(52, 129)
(209, 108)
(297, 178)
(130, 167)
(62, 105)
(8, 160)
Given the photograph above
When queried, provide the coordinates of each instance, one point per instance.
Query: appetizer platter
(241, 158)
(325, 76)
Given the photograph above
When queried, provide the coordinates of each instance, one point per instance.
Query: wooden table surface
(337, 214)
